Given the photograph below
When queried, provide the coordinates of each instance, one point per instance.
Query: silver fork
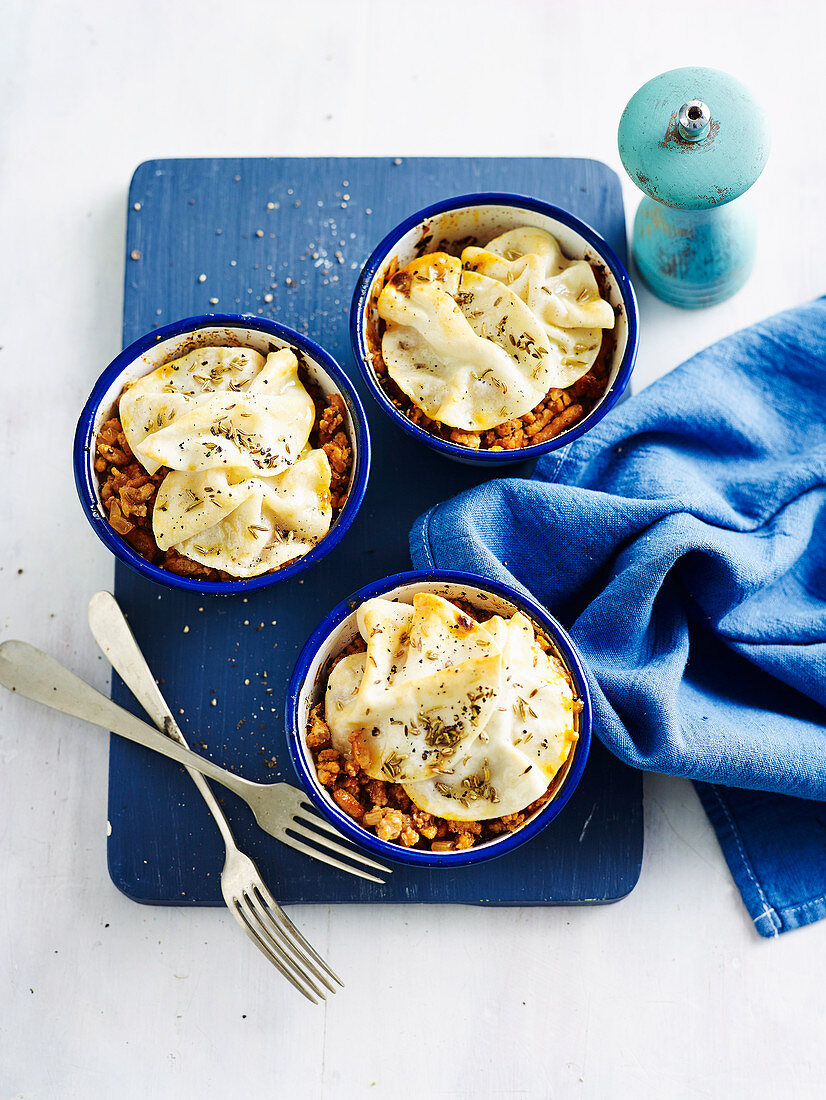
(117, 642)
(30, 672)
(244, 890)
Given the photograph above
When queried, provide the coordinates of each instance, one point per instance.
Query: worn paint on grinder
(694, 139)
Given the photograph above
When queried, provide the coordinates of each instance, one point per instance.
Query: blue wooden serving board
(286, 238)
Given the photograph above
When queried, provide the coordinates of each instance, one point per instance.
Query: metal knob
(693, 120)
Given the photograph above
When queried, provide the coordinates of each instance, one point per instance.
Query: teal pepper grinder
(694, 140)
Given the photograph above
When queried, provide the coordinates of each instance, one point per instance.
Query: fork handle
(119, 645)
(30, 672)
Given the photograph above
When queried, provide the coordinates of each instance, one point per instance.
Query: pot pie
(502, 347)
(224, 464)
(441, 731)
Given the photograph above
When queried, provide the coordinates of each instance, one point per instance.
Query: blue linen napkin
(682, 541)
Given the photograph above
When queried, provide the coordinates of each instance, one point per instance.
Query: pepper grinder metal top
(694, 140)
(693, 120)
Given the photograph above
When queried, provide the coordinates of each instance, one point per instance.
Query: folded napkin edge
(769, 920)
(420, 541)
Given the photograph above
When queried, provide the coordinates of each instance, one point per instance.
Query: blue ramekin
(482, 217)
(338, 628)
(161, 346)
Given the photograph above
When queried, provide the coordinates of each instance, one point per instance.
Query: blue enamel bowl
(165, 344)
(338, 629)
(480, 218)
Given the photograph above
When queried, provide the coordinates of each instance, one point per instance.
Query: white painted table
(670, 993)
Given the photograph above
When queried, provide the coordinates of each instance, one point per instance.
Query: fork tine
(319, 823)
(285, 932)
(286, 926)
(308, 814)
(333, 846)
(279, 941)
(282, 946)
(239, 915)
(300, 846)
